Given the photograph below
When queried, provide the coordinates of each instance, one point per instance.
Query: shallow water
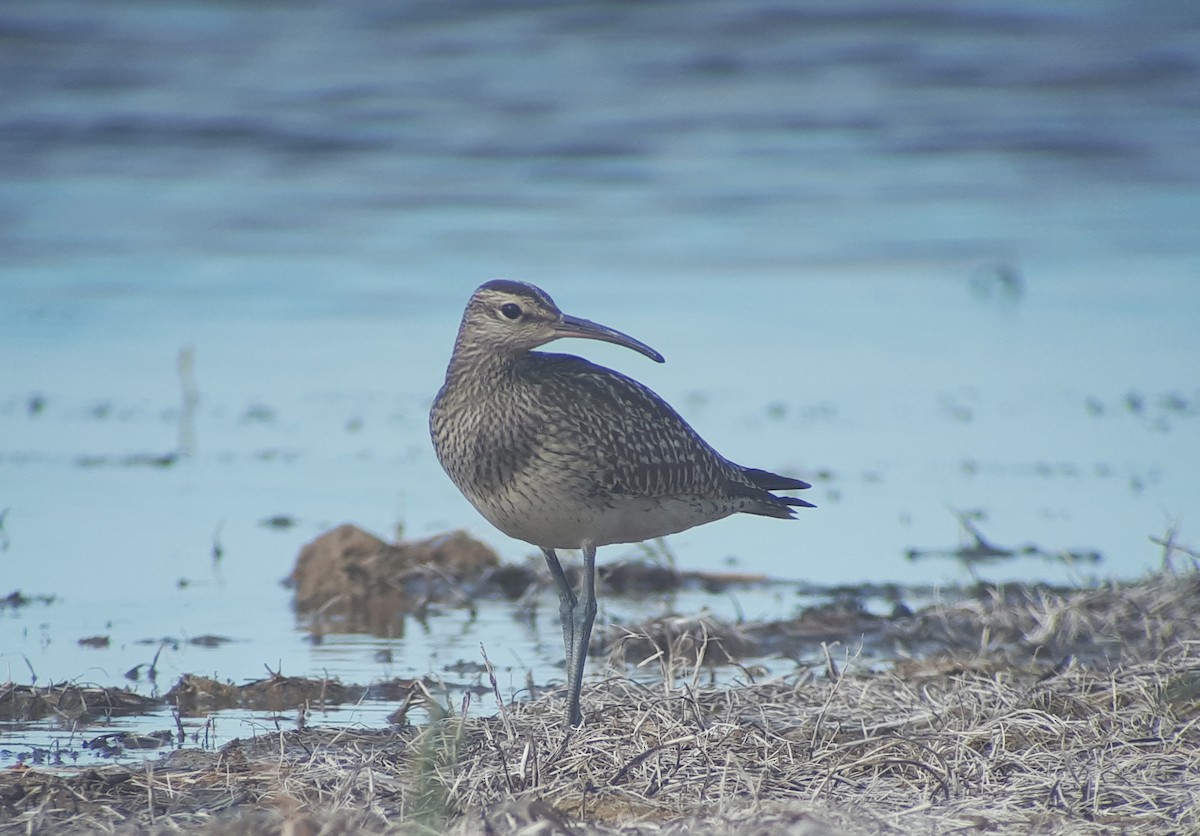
(933, 258)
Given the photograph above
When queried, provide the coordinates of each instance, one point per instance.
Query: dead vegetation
(197, 696)
(22, 703)
(1027, 711)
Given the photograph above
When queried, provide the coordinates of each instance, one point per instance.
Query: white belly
(556, 524)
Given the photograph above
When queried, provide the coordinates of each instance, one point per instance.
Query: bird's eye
(511, 310)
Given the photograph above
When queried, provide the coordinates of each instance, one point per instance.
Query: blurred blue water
(936, 256)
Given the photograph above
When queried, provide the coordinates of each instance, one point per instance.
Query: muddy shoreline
(1010, 709)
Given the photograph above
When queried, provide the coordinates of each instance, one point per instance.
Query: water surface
(934, 258)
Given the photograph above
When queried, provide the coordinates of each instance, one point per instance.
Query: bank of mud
(1012, 710)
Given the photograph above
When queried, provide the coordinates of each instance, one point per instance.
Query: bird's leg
(566, 605)
(582, 619)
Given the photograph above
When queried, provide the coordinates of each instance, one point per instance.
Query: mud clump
(200, 695)
(349, 579)
(81, 703)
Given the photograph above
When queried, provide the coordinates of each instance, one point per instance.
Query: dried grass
(1039, 712)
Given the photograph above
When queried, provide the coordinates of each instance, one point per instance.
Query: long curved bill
(573, 326)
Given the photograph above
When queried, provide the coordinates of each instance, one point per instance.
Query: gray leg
(582, 620)
(566, 605)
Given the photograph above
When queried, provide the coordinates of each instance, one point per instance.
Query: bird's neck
(483, 365)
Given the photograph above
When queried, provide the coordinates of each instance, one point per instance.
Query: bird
(562, 453)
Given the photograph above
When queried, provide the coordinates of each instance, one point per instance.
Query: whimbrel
(565, 454)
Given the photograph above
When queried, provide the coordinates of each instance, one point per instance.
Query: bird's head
(507, 317)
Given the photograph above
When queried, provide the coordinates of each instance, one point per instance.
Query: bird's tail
(767, 504)
(769, 481)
